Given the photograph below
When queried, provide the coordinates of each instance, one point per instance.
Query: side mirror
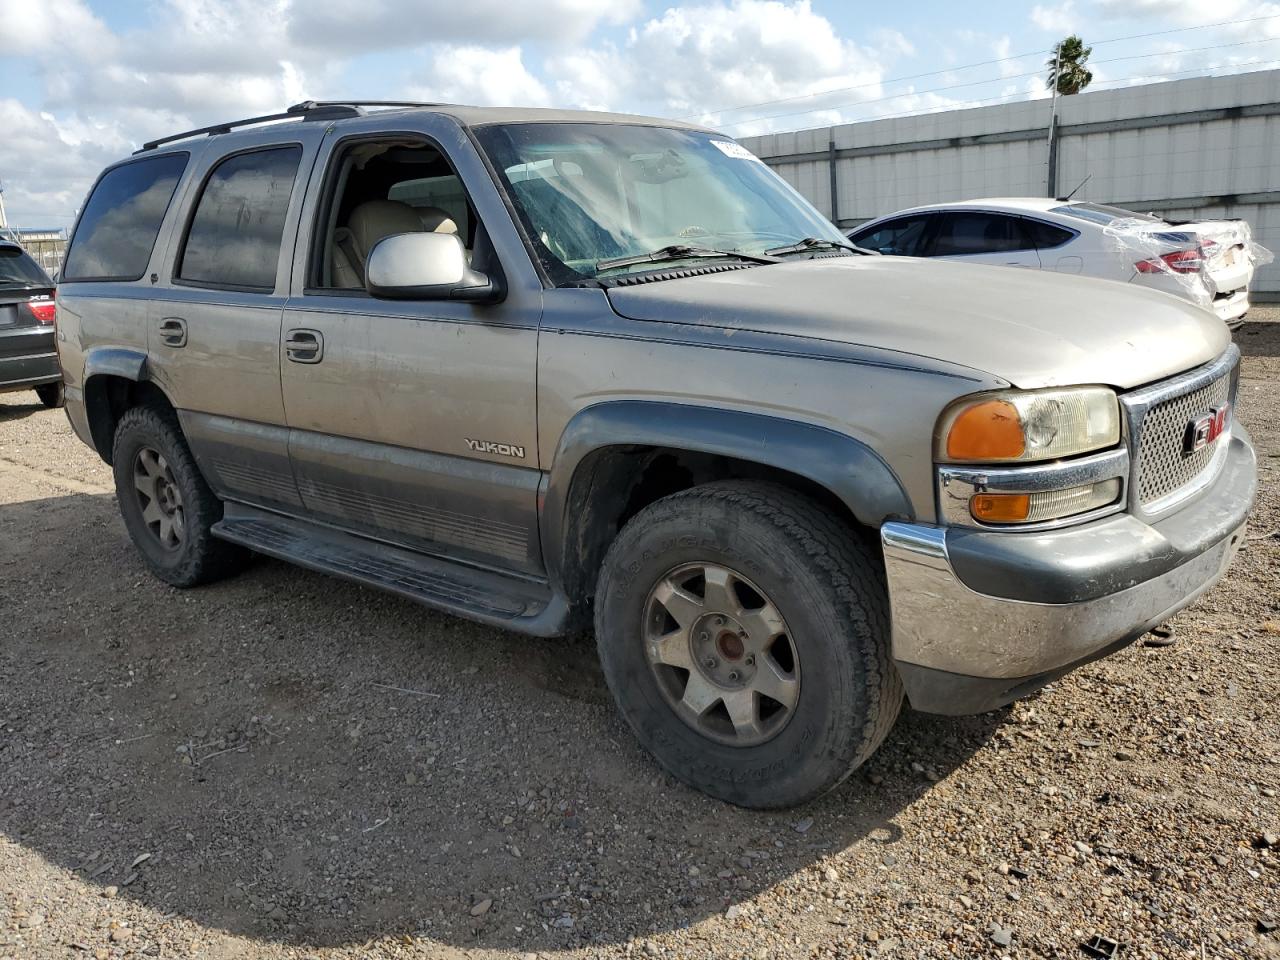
(426, 266)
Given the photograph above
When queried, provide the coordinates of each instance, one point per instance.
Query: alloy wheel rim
(721, 653)
(159, 498)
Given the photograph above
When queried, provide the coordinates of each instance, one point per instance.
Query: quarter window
(120, 222)
(1045, 235)
(234, 237)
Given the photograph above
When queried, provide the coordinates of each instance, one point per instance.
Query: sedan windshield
(593, 194)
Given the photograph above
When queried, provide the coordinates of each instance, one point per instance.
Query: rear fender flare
(103, 365)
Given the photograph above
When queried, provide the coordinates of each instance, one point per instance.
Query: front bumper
(981, 618)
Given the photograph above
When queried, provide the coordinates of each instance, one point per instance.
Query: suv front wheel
(744, 632)
(166, 504)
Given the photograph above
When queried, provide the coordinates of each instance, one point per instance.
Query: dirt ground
(286, 766)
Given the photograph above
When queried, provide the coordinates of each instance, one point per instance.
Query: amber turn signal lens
(990, 430)
(1001, 507)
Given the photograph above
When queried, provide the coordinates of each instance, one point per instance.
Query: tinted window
(118, 227)
(234, 238)
(963, 233)
(17, 269)
(1046, 235)
(902, 237)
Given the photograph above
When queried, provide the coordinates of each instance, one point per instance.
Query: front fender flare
(843, 465)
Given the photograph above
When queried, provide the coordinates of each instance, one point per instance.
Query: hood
(1030, 328)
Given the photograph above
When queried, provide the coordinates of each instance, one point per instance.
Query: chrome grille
(1164, 467)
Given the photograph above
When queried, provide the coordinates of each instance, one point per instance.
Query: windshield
(17, 269)
(588, 192)
(1101, 213)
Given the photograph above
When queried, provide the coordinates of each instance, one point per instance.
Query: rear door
(214, 339)
(979, 236)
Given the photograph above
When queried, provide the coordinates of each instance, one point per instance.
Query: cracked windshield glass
(589, 194)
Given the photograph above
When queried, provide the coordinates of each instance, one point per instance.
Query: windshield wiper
(680, 251)
(816, 243)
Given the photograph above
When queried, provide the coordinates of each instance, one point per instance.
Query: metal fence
(47, 247)
(1203, 147)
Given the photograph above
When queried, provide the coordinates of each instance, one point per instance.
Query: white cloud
(701, 60)
(1058, 18)
(347, 27)
(478, 75)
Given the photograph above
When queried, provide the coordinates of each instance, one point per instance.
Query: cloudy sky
(83, 82)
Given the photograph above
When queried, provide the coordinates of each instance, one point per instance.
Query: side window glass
(902, 237)
(120, 222)
(1045, 235)
(234, 238)
(968, 233)
(384, 189)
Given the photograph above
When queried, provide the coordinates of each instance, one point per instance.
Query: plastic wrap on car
(1141, 241)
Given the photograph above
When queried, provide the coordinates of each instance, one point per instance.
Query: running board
(482, 595)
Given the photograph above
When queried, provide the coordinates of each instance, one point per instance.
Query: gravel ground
(287, 766)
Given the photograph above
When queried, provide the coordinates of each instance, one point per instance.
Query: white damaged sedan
(1209, 262)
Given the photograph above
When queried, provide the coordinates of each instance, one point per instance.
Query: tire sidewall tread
(827, 583)
(202, 558)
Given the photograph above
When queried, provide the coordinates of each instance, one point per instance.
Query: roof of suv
(339, 111)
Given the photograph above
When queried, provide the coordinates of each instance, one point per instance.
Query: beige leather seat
(370, 222)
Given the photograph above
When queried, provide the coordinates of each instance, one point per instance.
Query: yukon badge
(502, 449)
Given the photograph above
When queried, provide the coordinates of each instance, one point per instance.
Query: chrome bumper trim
(941, 624)
(958, 484)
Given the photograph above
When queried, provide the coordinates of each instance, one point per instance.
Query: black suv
(28, 358)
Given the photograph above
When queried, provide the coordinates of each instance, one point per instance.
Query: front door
(413, 422)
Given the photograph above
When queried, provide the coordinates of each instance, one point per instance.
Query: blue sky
(82, 82)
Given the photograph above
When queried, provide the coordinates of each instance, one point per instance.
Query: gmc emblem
(1202, 432)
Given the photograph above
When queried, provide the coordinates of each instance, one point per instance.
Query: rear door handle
(304, 346)
(173, 332)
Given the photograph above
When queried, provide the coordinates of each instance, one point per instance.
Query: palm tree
(1067, 67)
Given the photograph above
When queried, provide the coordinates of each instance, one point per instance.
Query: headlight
(1014, 426)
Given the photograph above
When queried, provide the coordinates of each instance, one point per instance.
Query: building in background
(48, 247)
(1201, 148)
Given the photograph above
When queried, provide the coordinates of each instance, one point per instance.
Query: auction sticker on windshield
(735, 150)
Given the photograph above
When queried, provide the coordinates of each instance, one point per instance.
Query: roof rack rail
(306, 110)
(313, 104)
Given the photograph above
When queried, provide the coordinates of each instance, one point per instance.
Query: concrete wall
(1202, 147)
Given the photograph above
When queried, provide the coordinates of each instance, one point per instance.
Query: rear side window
(903, 237)
(968, 233)
(234, 236)
(1046, 235)
(118, 228)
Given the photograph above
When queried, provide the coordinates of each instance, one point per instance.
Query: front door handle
(173, 332)
(304, 346)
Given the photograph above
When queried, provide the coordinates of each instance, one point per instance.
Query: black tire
(829, 586)
(50, 394)
(198, 557)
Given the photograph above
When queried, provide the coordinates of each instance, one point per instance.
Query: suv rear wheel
(744, 632)
(167, 507)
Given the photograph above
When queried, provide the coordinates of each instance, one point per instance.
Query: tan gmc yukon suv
(550, 369)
